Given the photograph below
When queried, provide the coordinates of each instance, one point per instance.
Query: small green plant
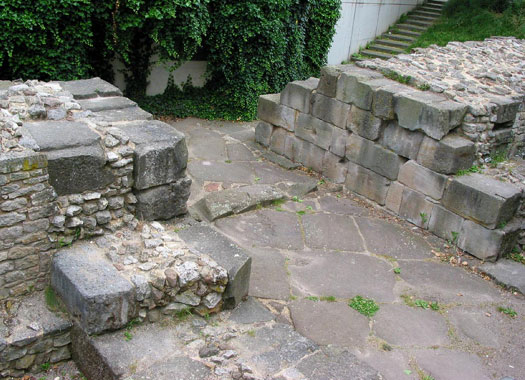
(338, 196)
(309, 208)
(397, 270)
(42, 378)
(52, 300)
(279, 208)
(321, 182)
(328, 298)
(278, 202)
(404, 79)
(424, 87)
(312, 298)
(183, 314)
(426, 305)
(516, 255)
(508, 311)
(301, 212)
(472, 169)
(424, 217)
(365, 306)
(502, 225)
(228, 161)
(407, 372)
(498, 157)
(251, 333)
(297, 199)
(45, 366)
(455, 237)
(256, 179)
(293, 298)
(427, 377)
(127, 336)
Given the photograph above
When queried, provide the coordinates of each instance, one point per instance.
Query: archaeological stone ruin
(412, 149)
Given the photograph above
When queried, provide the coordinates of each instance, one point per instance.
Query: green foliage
(472, 169)
(404, 79)
(508, 311)
(365, 306)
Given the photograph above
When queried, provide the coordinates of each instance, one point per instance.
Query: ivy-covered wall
(252, 46)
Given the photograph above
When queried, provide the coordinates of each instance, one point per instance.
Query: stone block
(297, 95)
(330, 110)
(484, 243)
(227, 254)
(448, 156)
(383, 104)
(309, 155)
(424, 180)
(315, 131)
(373, 156)
(263, 132)
(126, 114)
(334, 168)
(364, 123)
(402, 141)
(415, 208)
(445, 224)
(278, 141)
(11, 162)
(394, 197)
(163, 202)
(160, 155)
(355, 86)
(505, 109)
(90, 88)
(55, 135)
(367, 183)
(338, 145)
(483, 199)
(106, 103)
(270, 110)
(92, 289)
(328, 81)
(78, 169)
(429, 112)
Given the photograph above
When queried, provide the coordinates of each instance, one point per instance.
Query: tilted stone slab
(126, 114)
(484, 243)
(334, 168)
(55, 135)
(373, 156)
(271, 111)
(506, 109)
(367, 183)
(313, 130)
(483, 199)
(364, 123)
(106, 103)
(92, 289)
(235, 201)
(402, 141)
(395, 197)
(385, 97)
(308, 154)
(445, 224)
(278, 141)
(297, 95)
(338, 144)
(90, 88)
(419, 178)
(330, 110)
(160, 154)
(263, 133)
(227, 254)
(431, 113)
(351, 87)
(415, 208)
(507, 272)
(163, 202)
(448, 156)
(328, 81)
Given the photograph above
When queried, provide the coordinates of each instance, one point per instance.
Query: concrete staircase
(403, 34)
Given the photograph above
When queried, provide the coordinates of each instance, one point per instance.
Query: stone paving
(311, 255)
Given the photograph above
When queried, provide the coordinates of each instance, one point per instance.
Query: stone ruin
(81, 161)
(412, 150)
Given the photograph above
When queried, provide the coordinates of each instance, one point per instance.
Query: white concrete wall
(362, 21)
(158, 79)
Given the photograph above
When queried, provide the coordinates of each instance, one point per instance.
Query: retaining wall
(398, 146)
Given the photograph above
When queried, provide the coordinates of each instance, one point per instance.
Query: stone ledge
(90, 88)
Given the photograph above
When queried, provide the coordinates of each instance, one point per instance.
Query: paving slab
(264, 228)
(392, 364)
(221, 171)
(329, 231)
(207, 145)
(90, 88)
(126, 114)
(270, 173)
(269, 278)
(385, 238)
(474, 324)
(507, 272)
(342, 206)
(239, 152)
(401, 325)
(251, 311)
(106, 103)
(329, 322)
(341, 274)
(445, 283)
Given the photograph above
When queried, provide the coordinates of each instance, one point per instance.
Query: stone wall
(78, 160)
(398, 146)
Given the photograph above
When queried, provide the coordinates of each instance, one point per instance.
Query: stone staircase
(403, 34)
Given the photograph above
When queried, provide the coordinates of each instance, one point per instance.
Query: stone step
(417, 22)
(398, 37)
(408, 33)
(411, 27)
(386, 49)
(432, 7)
(394, 43)
(376, 54)
(426, 13)
(423, 17)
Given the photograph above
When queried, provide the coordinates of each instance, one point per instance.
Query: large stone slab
(163, 202)
(364, 123)
(160, 154)
(55, 135)
(507, 272)
(263, 133)
(126, 114)
(234, 201)
(367, 183)
(297, 95)
(445, 223)
(90, 88)
(326, 231)
(314, 130)
(251, 311)
(92, 289)
(483, 199)
(448, 156)
(448, 364)
(268, 278)
(402, 141)
(429, 112)
(271, 111)
(352, 87)
(419, 178)
(330, 110)
(373, 156)
(227, 254)
(415, 208)
(106, 103)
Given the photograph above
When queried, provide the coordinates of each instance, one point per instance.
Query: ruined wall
(400, 147)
